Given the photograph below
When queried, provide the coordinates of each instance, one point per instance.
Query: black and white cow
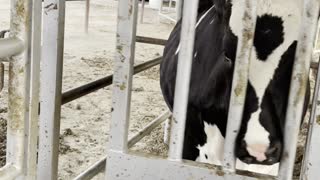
(260, 140)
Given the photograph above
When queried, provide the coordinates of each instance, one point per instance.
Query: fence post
(51, 82)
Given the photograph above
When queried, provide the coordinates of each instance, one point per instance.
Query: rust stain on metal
(301, 91)
(122, 86)
(16, 94)
(220, 172)
(20, 9)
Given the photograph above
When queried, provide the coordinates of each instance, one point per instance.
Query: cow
(260, 139)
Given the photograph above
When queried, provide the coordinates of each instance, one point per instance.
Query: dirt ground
(85, 122)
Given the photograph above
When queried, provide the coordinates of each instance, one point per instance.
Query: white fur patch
(214, 146)
(261, 72)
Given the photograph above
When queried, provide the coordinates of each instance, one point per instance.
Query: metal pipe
(240, 81)
(78, 92)
(100, 165)
(179, 7)
(150, 40)
(310, 165)
(1, 76)
(51, 85)
(183, 79)
(122, 79)
(10, 46)
(148, 129)
(9, 171)
(16, 48)
(87, 16)
(93, 170)
(34, 83)
(298, 86)
(142, 11)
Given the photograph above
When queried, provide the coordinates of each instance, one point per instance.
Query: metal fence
(123, 164)
(26, 159)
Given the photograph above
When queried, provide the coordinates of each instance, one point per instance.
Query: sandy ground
(85, 122)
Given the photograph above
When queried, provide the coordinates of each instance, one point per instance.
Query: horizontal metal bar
(138, 166)
(78, 92)
(149, 40)
(9, 172)
(100, 165)
(148, 129)
(10, 47)
(168, 17)
(93, 170)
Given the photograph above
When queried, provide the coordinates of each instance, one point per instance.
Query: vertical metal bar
(34, 81)
(183, 79)
(17, 84)
(298, 86)
(122, 80)
(142, 11)
(1, 76)
(87, 16)
(311, 164)
(19, 29)
(179, 7)
(240, 81)
(51, 82)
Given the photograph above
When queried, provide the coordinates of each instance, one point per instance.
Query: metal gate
(22, 50)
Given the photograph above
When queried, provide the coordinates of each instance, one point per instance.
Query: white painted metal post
(51, 82)
(34, 81)
(188, 30)
(122, 79)
(87, 16)
(311, 162)
(298, 86)
(18, 51)
(179, 7)
(142, 11)
(240, 81)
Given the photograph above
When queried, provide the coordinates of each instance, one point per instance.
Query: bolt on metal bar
(298, 86)
(240, 81)
(183, 79)
(100, 165)
(310, 166)
(51, 85)
(86, 89)
(11, 46)
(122, 79)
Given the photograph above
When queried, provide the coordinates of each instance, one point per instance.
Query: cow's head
(260, 140)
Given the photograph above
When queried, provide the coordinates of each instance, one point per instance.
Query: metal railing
(22, 50)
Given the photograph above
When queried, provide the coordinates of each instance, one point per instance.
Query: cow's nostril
(272, 150)
(248, 159)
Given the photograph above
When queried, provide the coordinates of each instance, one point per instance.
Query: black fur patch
(268, 35)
